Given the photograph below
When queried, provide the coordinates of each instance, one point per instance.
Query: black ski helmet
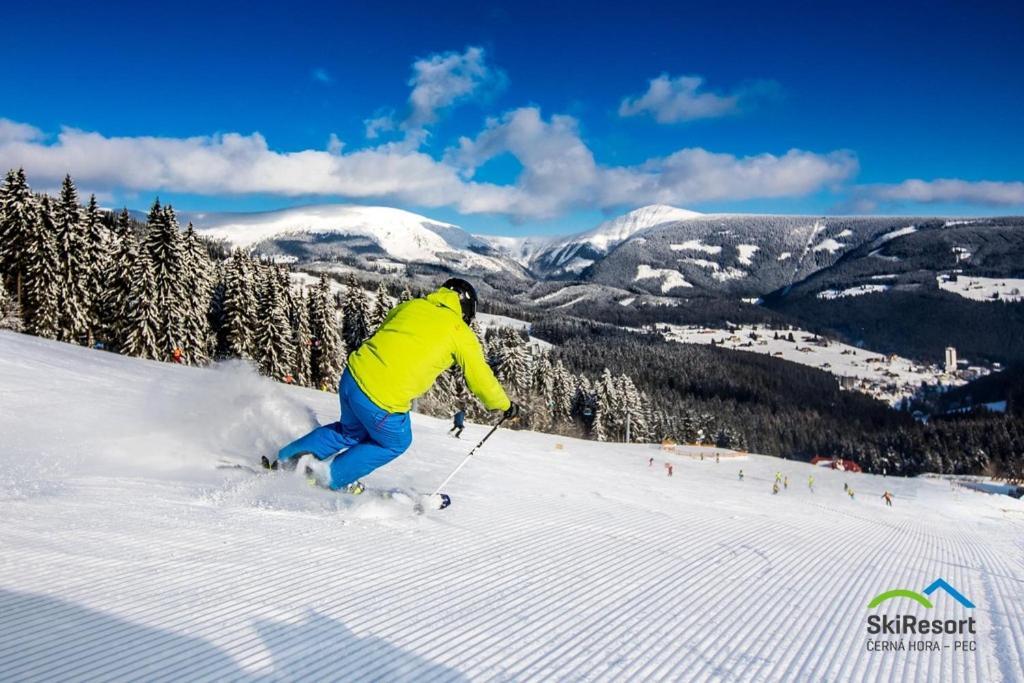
(467, 296)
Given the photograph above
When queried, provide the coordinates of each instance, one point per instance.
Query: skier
(775, 488)
(419, 339)
(177, 355)
(785, 482)
(650, 462)
(458, 423)
(741, 475)
(849, 490)
(810, 483)
(668, 467)
(887, 497)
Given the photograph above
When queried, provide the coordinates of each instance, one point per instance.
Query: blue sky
(522, 117)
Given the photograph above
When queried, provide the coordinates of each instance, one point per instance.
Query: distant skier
(849, 491)
(668, 468)
(775, 488)
(785, 482)
(458, 423)
(846, 487)
(778, 477)
(717, 459)
(419, 339)
(741, 475)
(810, 483)
(650, 462)
(887, 497)
(177, 355)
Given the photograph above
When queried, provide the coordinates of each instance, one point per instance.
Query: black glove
(513, 411)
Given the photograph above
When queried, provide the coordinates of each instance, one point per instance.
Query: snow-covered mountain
(657, 251)
(374, 234)
(522, 250)
(572, 255)
(127, 555)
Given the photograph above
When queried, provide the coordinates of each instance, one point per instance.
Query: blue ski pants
(369, 436)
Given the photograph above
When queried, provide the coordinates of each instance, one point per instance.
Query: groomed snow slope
(125, 555)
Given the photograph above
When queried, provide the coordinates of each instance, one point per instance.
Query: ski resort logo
(922, 634)
(919, 598)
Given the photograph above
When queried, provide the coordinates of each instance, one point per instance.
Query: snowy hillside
(375, 233)
(127, 555)
(522, 250)
(573, 254)
(890, 378)
(983, 288)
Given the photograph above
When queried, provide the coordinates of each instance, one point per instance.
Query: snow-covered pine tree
(633, 409)
(688, 427)
(116, 296)
(381, 307)
(327, 352)
(301, 338)
(166, 252)
(583, 405)
(355, 310)
(97, 263)
(541, 401)
(510, 358)
(544, 380)
(19, 234)
(217, 347)
(73, 267)
(597, 429)
(198, 275)
(706, 427)
(653, 419)
(143, 316)
(406, 294)
(7, 254)
(40, 291)
(239, 306)
(610, 407)
(563, 391)
(273, 332)
(10, 314)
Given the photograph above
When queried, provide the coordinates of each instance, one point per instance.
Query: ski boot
(355, 488)
(317, 472)
(278, 465)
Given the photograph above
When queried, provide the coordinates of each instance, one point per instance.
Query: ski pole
(466, 459)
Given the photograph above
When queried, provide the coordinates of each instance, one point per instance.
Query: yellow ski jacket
(419, 340)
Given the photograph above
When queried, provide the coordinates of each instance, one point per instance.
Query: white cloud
(232, 163)
(320, 75)
(12, 131)
(382, 123)
(671, 100)
(334, 144)
(696, 175)
(948, 190)
(559, 172)
(442, 80)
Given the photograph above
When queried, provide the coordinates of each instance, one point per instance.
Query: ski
(420, 502)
